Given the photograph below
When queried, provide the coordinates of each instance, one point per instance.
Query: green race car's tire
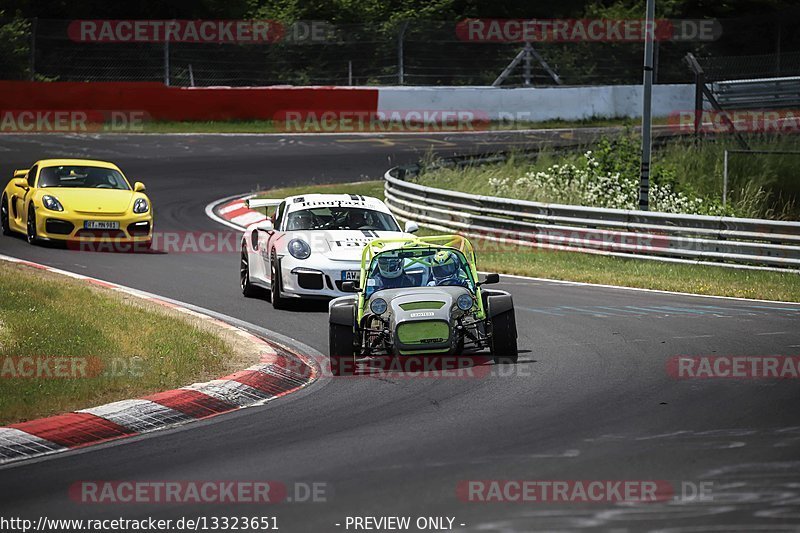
(340, 346)
(504, 338)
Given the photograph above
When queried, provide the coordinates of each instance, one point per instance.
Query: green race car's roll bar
(445, 242)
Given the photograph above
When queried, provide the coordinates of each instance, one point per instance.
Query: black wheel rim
(31, 226)
(243, 271)
(4, 214)
(274, 282)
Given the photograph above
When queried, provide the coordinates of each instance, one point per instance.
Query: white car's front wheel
(278, 302)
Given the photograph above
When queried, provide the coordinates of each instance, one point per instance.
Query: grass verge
(606, 270)
(269, 126)
(112, 346)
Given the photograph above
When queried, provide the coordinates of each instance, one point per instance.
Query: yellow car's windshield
(426, 267)
(82, 177)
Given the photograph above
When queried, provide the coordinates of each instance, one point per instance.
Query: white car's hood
(342, 245)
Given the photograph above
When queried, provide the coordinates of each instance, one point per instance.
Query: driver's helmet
(444, 265)
(301, 220)
(357, 218)
(390, 267)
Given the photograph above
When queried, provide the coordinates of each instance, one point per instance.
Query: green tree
(15, 46)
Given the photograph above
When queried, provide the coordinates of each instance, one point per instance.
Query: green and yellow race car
(417, 297)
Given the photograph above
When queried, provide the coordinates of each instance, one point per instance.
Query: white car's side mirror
(265, 225)
(411, 227)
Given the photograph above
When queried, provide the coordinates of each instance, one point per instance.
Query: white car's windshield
(428, 267)
(82, 177)
(343, 218)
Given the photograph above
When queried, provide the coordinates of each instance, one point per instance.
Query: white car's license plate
(350, 275)
(100, 224)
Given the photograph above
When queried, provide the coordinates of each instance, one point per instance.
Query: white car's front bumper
(316, 277)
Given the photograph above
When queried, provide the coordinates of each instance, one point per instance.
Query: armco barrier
(723, 241)
(252, 103)
(540, 103)
(183, 103)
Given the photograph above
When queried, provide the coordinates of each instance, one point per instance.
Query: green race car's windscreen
(429, 267)
(82, 177)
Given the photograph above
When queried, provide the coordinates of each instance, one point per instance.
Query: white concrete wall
(537, 104)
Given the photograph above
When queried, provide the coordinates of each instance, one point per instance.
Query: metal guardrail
(765, 93)
(507, 224)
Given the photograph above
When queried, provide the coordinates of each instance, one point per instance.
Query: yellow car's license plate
(100, 224)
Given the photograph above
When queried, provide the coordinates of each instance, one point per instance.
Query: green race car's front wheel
(504, 338)
(341, 340)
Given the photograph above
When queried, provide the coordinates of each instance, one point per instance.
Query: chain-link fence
(413, 53)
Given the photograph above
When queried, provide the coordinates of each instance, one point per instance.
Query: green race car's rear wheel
(504, 338)
(341, 341)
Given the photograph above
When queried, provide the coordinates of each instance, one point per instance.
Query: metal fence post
(647, 97)
(725, 178)
(527, 65)
(400, 65)
(166, 62)
(32, 58)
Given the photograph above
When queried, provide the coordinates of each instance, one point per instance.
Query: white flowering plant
(605, 177)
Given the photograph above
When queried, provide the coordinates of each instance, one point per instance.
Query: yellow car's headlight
(52, 203)
(140, 206)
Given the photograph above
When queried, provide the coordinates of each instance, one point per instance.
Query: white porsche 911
(312, 244)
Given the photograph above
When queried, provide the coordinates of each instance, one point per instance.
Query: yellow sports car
(76, 200)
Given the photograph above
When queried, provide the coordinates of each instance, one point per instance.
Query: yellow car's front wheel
(31, 225)
(4, 214)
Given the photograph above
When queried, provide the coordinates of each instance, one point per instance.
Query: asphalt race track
(590, 399)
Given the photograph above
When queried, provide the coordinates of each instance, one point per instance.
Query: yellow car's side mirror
(20, 172)
(139, 187)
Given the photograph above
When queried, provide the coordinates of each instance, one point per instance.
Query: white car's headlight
(464, 302)
(299, 249)
(52, 203)
(140, 206)
(378, 306)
